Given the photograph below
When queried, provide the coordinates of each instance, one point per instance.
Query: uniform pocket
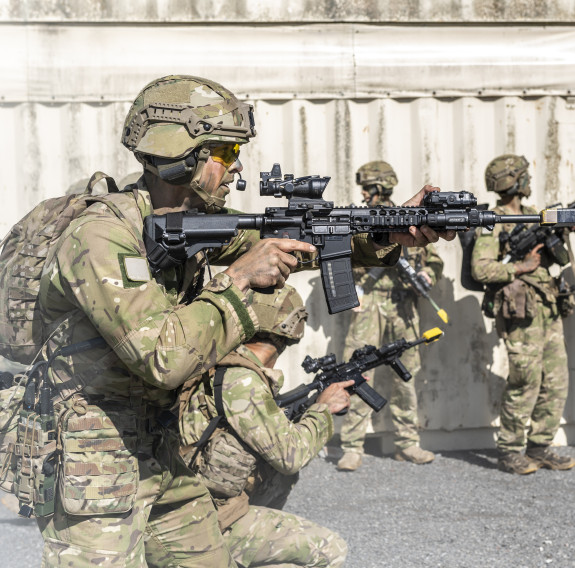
(10, 403)
(225, 465)
(99, 473)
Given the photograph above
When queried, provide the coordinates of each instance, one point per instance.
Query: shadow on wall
(456, 387)
(569, 330)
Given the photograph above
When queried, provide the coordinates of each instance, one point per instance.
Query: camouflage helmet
(175, 114)
(281, 313)
(507, 175)
(377, 175)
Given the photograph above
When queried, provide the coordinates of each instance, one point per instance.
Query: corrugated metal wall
(334, 85)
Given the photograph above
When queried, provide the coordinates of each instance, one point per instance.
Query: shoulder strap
(235, 359)
(97, 177)
(220, 417)
(218, 391)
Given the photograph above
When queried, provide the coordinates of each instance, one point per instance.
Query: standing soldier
(388, 311)
(523, 298)
(248, 453)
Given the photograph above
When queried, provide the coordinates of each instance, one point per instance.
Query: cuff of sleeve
(223, 285)
(389, 255)
(324, 409)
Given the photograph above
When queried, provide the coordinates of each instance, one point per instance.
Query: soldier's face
(216, 177)
(368, 199)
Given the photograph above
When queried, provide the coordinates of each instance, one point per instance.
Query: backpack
(22, 260)
(467, 242)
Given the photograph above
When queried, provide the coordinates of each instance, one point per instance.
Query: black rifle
(295, 402)
(419, 284)
(416, 282)
(172, 238)
(523, 239)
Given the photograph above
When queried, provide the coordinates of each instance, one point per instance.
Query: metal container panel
(321, 108)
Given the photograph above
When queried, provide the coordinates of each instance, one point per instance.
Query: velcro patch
(135, 270)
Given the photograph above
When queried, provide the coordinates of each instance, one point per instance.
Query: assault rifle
(172, 238)
(419, 284)
(523, 239)
(295, 402)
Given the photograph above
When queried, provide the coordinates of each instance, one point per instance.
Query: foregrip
(400, 369)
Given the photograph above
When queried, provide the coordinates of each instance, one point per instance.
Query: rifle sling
(233, 359)
(221, 416)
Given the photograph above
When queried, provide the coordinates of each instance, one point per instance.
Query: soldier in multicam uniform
(252, 458)
(522, 296)
(388, 311)
(120, 475)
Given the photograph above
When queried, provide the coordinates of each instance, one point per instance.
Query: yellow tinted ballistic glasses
(225, 154)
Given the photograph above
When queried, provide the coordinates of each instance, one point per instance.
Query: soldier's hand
(335, 396)
(530, 262)
(425, 276)
(422, 236)
(268, 263)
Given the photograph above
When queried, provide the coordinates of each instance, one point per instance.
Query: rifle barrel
(519, 218)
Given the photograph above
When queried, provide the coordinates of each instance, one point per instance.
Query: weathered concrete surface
(295, 11)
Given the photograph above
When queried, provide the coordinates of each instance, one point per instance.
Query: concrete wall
(436, 88)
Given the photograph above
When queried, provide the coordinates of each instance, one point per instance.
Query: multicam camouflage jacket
(256, 433)
(488, 252)
(98, 283)
(423, 259)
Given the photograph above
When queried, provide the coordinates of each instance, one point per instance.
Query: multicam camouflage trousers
(379, 321)
(271, 538)
(538, 380)
(173, 522)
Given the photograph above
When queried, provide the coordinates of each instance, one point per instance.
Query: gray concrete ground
(457, 512)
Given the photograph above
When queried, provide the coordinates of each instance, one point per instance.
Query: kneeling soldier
(248, 453)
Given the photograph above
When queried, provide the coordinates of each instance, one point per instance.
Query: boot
(413, 454)
(515, 462)
(350, 461)
(544, 456)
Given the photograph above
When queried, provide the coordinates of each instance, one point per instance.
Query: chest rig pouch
(225, 464)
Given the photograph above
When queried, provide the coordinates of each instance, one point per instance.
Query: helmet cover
(377, 177)
(507, 175)
(281, 313)
(174, 115)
